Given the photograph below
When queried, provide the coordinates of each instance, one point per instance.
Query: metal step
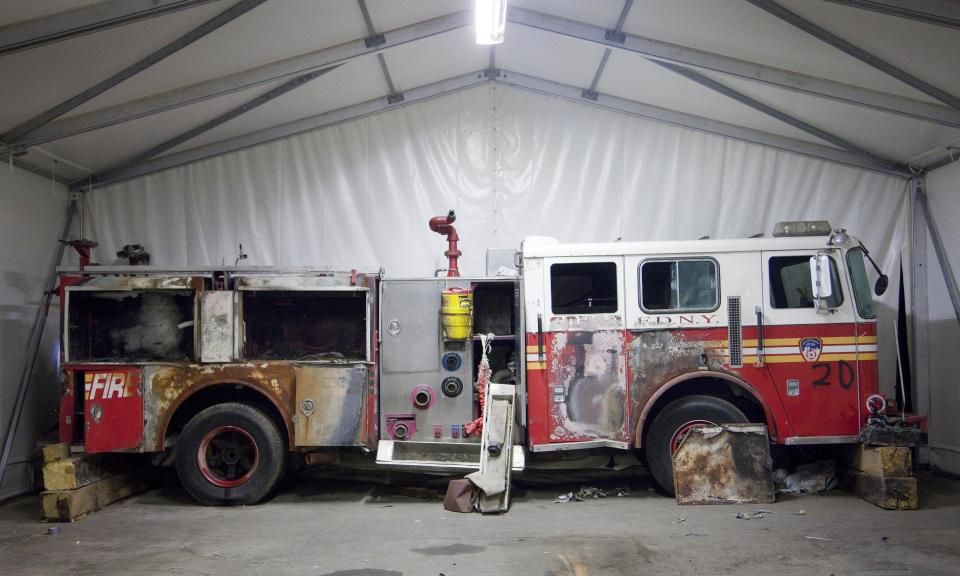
(437, 456)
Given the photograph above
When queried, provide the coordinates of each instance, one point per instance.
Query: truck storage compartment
(305, 325)
(130, 325)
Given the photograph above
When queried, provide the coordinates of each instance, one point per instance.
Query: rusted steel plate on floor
(728, 464)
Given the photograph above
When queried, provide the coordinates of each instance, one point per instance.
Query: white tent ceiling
(38, 78)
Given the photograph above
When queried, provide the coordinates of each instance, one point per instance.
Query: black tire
(230, 454)
(672, 419)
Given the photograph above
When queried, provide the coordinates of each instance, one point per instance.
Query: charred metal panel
(586, 374)
(728, 464)
(291, 282)
(166, 386)
(330, 405)
(659, 356)
(143, 282)
(217, 326)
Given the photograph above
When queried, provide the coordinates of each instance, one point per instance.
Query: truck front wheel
(674, 422)
(230, 454)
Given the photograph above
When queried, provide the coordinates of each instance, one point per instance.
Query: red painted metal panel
(113, 408)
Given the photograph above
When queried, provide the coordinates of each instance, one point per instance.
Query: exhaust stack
(444, 225)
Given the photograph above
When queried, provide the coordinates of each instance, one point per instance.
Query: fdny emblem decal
(106, 385)
(810, 348)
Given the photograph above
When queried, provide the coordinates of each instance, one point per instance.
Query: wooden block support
(887, 492)
(54, 452)
(72, 505)
(886, 461)
(78, 471)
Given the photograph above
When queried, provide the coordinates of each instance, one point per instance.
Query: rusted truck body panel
(163, 339)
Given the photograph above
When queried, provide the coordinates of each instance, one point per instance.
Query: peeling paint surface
(166, 386)
(586, 375)
(727, 464)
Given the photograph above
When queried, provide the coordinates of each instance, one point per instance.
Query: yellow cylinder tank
(456, 313)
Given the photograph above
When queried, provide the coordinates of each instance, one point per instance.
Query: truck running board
(437, 456)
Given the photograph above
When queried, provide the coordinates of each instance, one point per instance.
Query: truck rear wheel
(230, 454)
(674, 422)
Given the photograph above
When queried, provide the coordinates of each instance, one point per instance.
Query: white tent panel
(390, 14)
(356, 81)
(943, 187)
(450, 54)
(889, 135)
(36, 80)
(741, 30)
(597, 12)
(272, 31)
(633, 77)
(545, 55)
(100, 149)
(905, 43)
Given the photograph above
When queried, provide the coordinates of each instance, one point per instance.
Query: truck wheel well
(737, 395)
(218, 394)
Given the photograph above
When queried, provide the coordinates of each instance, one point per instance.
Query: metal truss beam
(940, 12)
(702, 124)
(777, 114)
(375, 39)
(289, 129)
(761, 73)
(42, 172)
(617, 35)
(211, 124)
(293, 66)
(23, 131)
(86, 20)
(507, 78)
(850, 49)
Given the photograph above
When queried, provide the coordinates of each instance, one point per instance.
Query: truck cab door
(584, 344)
(808, 346)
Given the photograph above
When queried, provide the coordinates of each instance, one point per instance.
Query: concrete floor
(348, 528)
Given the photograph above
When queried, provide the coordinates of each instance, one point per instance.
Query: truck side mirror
(820, 280)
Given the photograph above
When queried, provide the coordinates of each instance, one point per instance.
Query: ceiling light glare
(491, 20)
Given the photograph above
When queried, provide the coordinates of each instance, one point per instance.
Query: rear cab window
(679, 285)
(583, 288)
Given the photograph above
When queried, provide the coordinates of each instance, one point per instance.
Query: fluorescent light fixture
(491, 20)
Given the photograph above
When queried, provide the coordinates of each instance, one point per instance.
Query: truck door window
(130, 325)
(790, 283)
(679, 285)
(584, 288)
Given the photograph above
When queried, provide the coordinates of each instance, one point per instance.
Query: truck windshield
(861, 284)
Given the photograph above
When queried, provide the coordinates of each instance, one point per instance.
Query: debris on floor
(755, 515)
(811, 478)
(592, 493)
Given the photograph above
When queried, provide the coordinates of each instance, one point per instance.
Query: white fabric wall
(512, 163)
(32, 212)
(943, 194)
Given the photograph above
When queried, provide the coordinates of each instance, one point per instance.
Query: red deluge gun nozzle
(444, 225)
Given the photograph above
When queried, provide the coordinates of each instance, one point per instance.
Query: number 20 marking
(845, 374)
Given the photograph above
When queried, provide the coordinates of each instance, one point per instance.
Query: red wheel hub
(228, 456)
(685, 429)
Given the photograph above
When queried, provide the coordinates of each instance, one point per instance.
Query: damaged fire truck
(229, 373)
